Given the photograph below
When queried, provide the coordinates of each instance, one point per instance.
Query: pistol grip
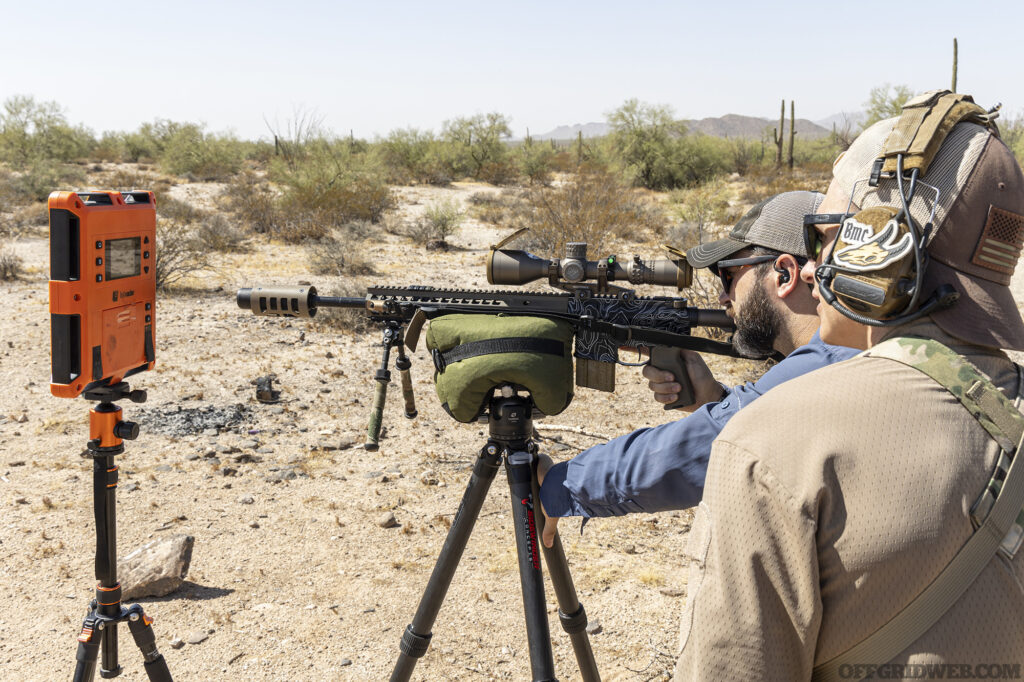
(671, 360)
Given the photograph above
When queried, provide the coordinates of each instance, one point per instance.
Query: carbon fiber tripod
(99, 630)
(510, 418)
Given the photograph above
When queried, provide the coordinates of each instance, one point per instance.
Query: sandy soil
(294, 579)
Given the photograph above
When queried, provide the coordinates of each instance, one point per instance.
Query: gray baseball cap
(775, 223)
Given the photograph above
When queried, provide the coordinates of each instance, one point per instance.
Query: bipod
(107, 433)
(510, 417)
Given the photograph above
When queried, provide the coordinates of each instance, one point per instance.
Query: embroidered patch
(1000, 243)
(869, 251)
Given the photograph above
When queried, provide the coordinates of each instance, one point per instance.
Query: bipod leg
(521, 467)
(570, 611)
(416, 638)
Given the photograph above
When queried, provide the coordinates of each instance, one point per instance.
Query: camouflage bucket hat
(978, 229)
(775, 223)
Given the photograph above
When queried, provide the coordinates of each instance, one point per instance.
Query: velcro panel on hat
(1001, 240)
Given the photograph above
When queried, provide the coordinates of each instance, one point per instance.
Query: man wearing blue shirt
(662, 468)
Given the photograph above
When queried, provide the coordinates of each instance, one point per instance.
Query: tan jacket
(829, 504)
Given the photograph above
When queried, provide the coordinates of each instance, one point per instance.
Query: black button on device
(148, 306)
(145, 269)
(145, 254)
(99, 261)
(145, 240)
(149, 319)
(99, 278)
(99, 245)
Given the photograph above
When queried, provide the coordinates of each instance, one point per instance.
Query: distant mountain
(572, 132)
(844, 118)
(734, 125)
(730, 125)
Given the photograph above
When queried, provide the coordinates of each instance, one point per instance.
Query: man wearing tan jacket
(836, 500)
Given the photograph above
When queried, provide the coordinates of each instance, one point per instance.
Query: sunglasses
(721, 268)
(814, 240)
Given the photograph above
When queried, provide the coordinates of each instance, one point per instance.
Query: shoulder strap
(1005, 517)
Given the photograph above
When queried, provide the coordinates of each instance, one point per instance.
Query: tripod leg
(570, 611)
(417, 635)
(522, 473)
(88, 650)
(142, 631)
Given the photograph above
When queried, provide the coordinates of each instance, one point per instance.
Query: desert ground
(292, 576)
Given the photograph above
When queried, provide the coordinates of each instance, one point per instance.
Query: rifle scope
(512, 266)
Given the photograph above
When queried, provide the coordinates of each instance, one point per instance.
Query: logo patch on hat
(1000, 243)
(868, 250)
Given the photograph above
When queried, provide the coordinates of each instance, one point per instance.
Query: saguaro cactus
(777, 134)
(954, 65)
(792, 132)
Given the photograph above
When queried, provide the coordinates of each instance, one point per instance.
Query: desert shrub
(45, 176)
(500, 172)
(699, 210)
(593, 206)
(23, 219)
(410, 155)
(342, 251)
(535, 161)
(439, 221)
(133, 178)
(476, 142)
(216, 233)
(333, 182)
(766, 181)
(1012, 132)
(11, 265)
(492, 207)
(191, 152)
(179, 250)
(32, 132)
(252, 201)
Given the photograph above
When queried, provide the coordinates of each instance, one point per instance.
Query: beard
(758, 324)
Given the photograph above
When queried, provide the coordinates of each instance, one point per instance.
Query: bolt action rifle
(604, 316)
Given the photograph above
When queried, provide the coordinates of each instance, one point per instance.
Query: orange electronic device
(102, 288)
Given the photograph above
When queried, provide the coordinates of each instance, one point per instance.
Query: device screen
(123, 257)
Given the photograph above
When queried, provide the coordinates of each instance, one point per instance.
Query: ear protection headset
(875, 271)
(783, 273)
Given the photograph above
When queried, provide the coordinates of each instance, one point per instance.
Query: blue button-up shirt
(661, 468)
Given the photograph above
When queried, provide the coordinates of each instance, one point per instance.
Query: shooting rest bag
(474, 354)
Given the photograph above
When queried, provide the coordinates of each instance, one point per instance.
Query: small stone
(19, 463)
(330, 356)
(265, 450)
(222, 449)
(21, 418)
(373, 474)
(346, 443)
(428, 477)
(247, 499)
(197, 637)
(210, 432)
(246, 458)
(131, 487)
(673, 591)
(254, 524)
(345, 662)
(157, 568)
(229, 471)
(594, 627)
(248, 444)
(20, 500)
(387, 520)
(164, 467)
(629, 549)
(177, 642)
(277, 410)
(191, 457)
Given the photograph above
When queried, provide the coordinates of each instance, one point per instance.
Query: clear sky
(371, 67)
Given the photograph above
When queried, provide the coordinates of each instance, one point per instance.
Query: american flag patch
(1001, 241)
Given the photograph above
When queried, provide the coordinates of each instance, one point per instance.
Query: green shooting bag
(474, 354)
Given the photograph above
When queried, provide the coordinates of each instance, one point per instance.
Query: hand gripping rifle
(603, 315)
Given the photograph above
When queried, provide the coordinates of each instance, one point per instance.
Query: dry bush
(11, 265)
(179, 250)
(702, 212)
(592, 206)
(342, 251)
(766, 181)
(124, 179)
(439, 221)
(216, 233)
(495, 208)
(32, 217)
(253, 202)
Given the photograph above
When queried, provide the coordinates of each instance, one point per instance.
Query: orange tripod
(107, 433)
